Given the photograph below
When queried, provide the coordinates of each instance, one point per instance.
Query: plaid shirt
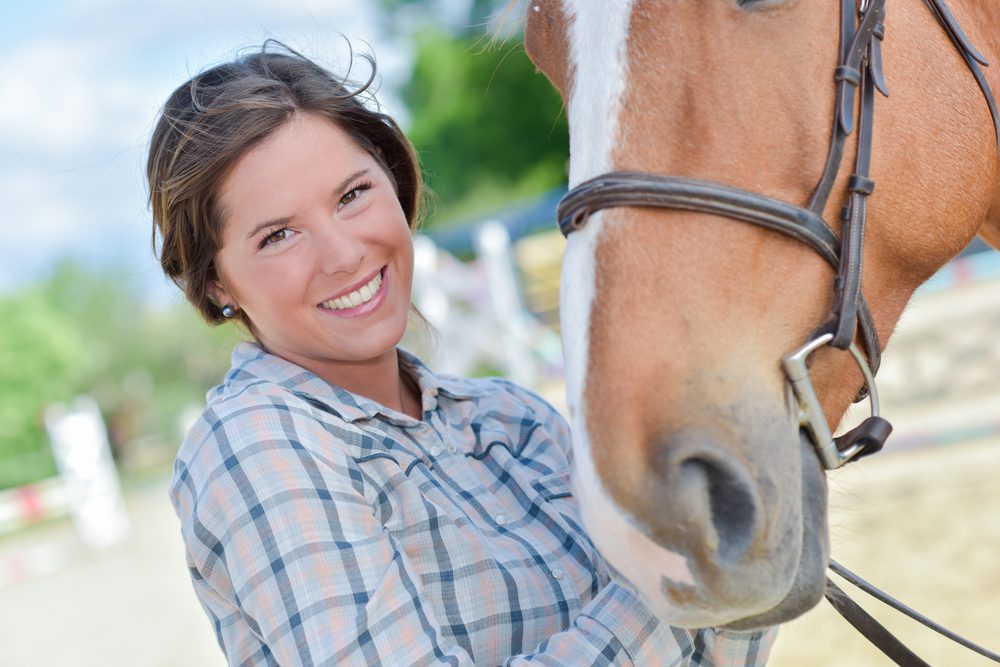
(323, 528)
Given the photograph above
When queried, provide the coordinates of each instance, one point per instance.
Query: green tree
(146, 364)
(488, 127)
(41, 360)
(88, 332)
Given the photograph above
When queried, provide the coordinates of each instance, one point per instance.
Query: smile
(358, 297)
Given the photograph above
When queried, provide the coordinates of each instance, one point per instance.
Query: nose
(715, 497)
(338, 248)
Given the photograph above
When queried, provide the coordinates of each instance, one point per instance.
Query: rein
(859, 72)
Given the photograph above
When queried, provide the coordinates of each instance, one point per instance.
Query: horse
(706, 358)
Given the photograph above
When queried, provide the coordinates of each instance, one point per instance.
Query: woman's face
(315, 247)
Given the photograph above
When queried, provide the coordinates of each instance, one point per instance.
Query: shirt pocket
(554, 486)
(555, 491)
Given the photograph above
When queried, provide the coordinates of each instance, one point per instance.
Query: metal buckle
(811, 415)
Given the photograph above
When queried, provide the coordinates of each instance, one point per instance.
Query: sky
(80, 85)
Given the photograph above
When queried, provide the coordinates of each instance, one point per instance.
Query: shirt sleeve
(616, 628)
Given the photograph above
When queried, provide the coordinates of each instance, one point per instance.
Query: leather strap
(860, 65)
(873, 631)
(847, 287)
(645, 190)
(973, 59)
(847, 76)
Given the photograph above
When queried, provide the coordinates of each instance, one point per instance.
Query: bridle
(858, 72)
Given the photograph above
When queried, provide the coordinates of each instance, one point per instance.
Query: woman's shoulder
(235, 422)
(260, 384)
(252, 416)
(263, 439)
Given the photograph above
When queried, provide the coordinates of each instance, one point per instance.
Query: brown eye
(353, 194)
(276, 236)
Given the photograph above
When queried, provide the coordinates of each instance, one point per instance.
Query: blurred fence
(31, 503)
(486, 312)
(940, 377)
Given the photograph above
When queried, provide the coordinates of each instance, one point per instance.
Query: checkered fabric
(323, 528)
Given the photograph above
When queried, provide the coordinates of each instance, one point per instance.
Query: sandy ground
(130, 605)
(925, 527)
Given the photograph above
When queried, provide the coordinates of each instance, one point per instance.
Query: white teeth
(357, 297)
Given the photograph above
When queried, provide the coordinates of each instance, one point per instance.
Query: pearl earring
(228, 311)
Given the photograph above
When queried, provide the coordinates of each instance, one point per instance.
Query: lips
(359, 295)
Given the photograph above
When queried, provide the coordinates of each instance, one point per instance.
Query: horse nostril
(730, 500)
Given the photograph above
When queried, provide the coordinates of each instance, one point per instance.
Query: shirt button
(557, 573)
(452, 448)
(501, 519)
(435, 451)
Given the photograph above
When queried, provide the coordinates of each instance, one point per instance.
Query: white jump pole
(492, 242)
(83, 455)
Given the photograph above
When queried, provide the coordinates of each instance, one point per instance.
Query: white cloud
(52, 108)
(35, 207)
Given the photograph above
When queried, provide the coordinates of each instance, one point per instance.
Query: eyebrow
(288, 218)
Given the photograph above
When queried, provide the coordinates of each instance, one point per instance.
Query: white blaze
(598, 31)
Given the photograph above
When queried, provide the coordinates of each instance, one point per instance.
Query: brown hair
(211, 121)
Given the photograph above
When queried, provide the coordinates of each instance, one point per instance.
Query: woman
(339, 502)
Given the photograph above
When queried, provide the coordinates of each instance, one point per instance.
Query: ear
(220, 295)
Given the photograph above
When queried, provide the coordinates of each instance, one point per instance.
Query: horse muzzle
(723, 527)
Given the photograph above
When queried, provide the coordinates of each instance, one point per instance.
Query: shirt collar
(252, 365)
(429, 381)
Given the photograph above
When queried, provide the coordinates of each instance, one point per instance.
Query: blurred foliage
(39, 357)
(86, 332)
(488, 127)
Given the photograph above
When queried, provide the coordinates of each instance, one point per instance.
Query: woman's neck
(380, 379)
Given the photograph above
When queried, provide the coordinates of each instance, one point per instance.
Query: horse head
(694, 476)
